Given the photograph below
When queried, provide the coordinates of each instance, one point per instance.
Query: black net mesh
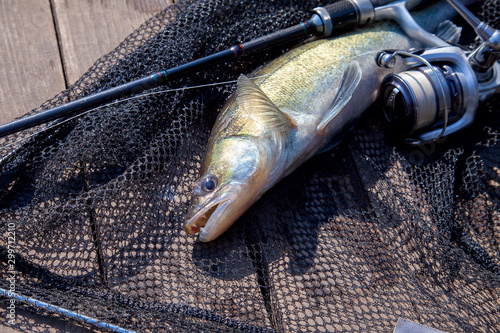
(353, 240)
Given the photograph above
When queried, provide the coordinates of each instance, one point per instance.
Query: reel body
(436, 95)
(440, 89)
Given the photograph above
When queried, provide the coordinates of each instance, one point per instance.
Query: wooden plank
(90, 29)
(30, 66)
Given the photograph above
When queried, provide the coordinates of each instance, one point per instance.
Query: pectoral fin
(350, 80)
(256, 103)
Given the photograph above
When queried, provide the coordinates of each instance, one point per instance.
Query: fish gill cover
(351, 241)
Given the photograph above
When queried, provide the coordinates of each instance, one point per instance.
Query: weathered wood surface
(46, 45)
(30, 65)
(89, 29)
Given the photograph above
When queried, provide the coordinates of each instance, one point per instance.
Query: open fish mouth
(211, 211)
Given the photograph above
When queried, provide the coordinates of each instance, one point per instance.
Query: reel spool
(437, 95)
(413, 99)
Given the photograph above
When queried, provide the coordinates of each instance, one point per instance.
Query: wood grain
(31, 69)
(92, 28)
(30, 66)
(38, 58)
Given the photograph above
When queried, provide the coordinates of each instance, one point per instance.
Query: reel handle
(484, 58)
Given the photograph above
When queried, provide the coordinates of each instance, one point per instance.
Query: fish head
(227, 187)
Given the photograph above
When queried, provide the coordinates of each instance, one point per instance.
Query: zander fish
(294, 108)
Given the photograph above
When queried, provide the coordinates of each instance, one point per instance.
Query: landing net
(351, 241)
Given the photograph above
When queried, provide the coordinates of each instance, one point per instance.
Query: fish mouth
(211, 211)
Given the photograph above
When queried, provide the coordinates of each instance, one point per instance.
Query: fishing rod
(326, 21)
(60, 311)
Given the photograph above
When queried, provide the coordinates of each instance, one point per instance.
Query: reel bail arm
(440, 89)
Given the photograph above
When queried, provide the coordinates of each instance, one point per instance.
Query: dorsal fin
(349, 83)
(449, 32)
(256, 103)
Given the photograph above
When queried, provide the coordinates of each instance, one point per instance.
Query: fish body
(292, 109)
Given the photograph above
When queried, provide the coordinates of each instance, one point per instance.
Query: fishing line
(342, 15)
(121, 101)
(141, 96)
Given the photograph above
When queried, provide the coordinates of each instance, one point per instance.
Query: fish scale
(294, 107)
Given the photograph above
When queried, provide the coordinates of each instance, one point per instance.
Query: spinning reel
(440, 89)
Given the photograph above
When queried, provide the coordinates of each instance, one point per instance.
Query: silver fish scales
(296, 106)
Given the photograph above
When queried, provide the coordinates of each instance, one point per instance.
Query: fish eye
(209, 184)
